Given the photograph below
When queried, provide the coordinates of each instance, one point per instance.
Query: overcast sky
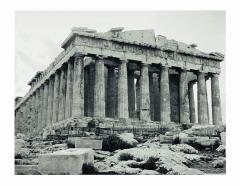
(39, 34)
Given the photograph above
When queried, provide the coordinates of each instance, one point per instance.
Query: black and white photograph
(120, 93)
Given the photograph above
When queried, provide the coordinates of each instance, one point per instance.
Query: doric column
(151, 89)
(99, 89)
(183, 97)
(50, 101)
(37, 109)
(62, 94)
(216, 101)
(111, 93)
(131, 93)
(191, 102)
(138, 97)
(78, 86)
(45, 104)
(122, 90)
(40, 108)
(69, 91)
(156, 92)
(90, 90)
(202, 99)
(56, 97)
(164, 95)
(86, 90)
(144, 93)
(34, 111)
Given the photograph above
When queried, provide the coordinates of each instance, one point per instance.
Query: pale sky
(39, 34)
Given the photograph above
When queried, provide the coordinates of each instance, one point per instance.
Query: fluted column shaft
(183, 97)
(156, 93)
(144, 94)
(69, 91)
(99, 89)
(50, 101)
(191, 103)
(202, 99)
(37, 109)
(131, 93)
(45, 104)
(78, 86)
(151, 89)
(111, 93)
(122, 90)
(62, 94)
(164, 95)
(90, 90)
(138, 97)
(216, 101)
(56, 97)
(40, 107)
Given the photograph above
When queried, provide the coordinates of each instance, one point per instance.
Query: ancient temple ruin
(128, 79)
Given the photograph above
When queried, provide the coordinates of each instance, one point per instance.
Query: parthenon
(123, 75)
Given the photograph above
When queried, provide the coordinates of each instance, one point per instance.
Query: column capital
(144, 64)
(79, 54)
(216, 75)
(100, 59)
(123, 60)
(165, 67)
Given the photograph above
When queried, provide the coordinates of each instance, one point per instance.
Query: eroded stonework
(123, 75)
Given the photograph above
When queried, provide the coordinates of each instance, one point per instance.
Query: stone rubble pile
(197, 150)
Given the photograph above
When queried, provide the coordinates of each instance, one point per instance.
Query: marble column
(50, 101)
(78, 86)
(216, 101)
(151, 88)
(86, 90)
(91, 83)
(183, 97)
(131, 93)
(138, 97)
(62, 94)
(99, 89)
(34, 98)
(156, 92)
(111, 93)
(56, 97)
(45, 104)
(144, 93)
(164, 95)
(191, 102)
(40, 108)
(37, 109)
(122, 90)
(202, 99)
(69, 91)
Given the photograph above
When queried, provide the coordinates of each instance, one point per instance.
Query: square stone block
(223, 138)
(68, 161)
(81, 142)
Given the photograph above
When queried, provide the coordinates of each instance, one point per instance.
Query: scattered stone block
(68, 161)
(221, 149)
(19, 143)
(183, 148)
(223, 137)
(219, 163)
(82, 142)
(205, 130)
(26, 170)
(119, 141)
